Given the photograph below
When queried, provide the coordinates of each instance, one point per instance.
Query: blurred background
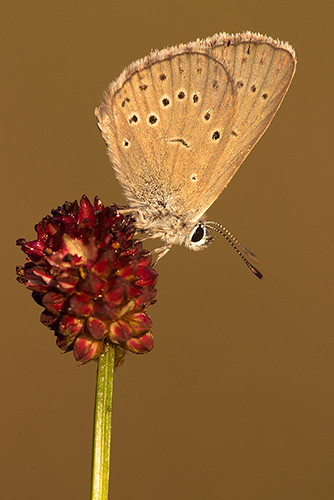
(235, 401)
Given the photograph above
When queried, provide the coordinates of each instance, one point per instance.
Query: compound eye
(197, 234)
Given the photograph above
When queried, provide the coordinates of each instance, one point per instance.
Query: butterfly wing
(262, 70)
(179, 122)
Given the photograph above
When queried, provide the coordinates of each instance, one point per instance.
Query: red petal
(48, 319)
(133, 247)
(34, 249)
(43, 273)
(117, 290)
(145, 259)
(139, 322)
(53, 301)
(140, 295)
(86, 213)
(105, 263)
(92, 285)
(98, 205)
(64, 343)
(96, 328)
(146, 276)
(70, 325)
(127, 267)
(33, 282)
(80, 305)
(66, 282)
(119, 331)
(141, 345)
(85, 350)
(104, 311)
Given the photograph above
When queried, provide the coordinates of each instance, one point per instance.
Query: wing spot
(181, 141)
(124, 101)
(215, 85)
(126, 143)
(152, 119)
(248, 50)
(142, 87)
(162, 77)
(199, 70)
(207, 116)
(195, 98)
(215, 135)
(233, 132)
(193, 177)
(133, 119)
(264, 96)
(181, 70)
(181, 95)
(253, 88)
(165, 101)
(240, 84)
(262, 61)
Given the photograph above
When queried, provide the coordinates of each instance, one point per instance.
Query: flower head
(93, 279)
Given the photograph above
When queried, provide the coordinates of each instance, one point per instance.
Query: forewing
(262, 70)
(179, 122)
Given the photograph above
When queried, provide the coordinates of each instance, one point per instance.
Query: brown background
(236, 400)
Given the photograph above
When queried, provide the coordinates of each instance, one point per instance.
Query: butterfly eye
(199, 237)
(197, 234)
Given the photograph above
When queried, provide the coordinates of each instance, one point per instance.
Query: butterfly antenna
(237, 246)
(245, 250)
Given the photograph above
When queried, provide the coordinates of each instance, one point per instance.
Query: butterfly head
(199, 237)
(171, 228)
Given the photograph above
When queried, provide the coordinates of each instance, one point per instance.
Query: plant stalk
(102, 424)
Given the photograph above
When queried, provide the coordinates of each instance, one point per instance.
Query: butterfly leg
(161, 251)
(124, 209)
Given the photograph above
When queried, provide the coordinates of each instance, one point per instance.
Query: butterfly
(179, 122)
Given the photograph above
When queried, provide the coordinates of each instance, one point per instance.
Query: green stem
(102, 424)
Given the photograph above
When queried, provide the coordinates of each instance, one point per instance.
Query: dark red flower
(93, 278)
